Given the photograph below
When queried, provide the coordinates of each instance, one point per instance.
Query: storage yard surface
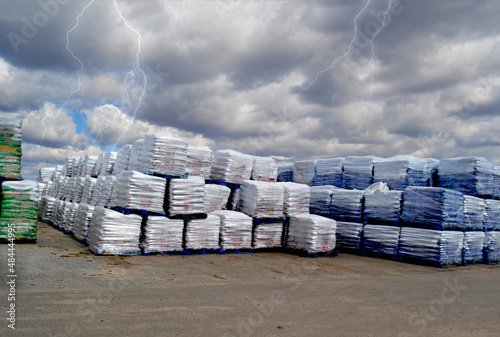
(64, 290)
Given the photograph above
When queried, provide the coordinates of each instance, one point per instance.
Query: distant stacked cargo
(329, 172)
(164, 154)
(347, 205)
(199, 161)
(122, 159)
(383, 206)
(469, 175)
(203, 233)
(358, 171)
(285, 173)
(264, 169)
(10, 147)
(402, 171)
(231, 166)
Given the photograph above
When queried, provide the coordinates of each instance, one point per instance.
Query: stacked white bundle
(358, 171)
(162, 235)
(441, 247)
(108, 163)
(216, 197)
(312, 233)
(231, 166)
(61, 185)
(107, 192)
(55, 211)
(78, 189)
(267, 235)
(304, 171)
(45, 174)
(134, 162)
(261, 199)
(88, 189)
(82, 221)
(329, 172)
(199, 161)
(164, 154)
(186, 196)
(264, 169)
(296, 198)
(97, 167)
(474, 212)
(381, 239)
(46, 190)
(349, 235)
(111, 232)
(492, 216)
(69, 188)
(77, 169)
(491, 247)
(321, 200)
(402, 171)
(473, 247)
(57, 172)
(69, 220)
(203, 234)
(70, 166)
(235, 230)
(234, 200)
(87, 165)
(122, 159)
(46, 208)
(98, 188)
(41, 189)
(63, 213)
(135, 190)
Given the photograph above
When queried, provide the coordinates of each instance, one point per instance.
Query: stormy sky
(309, 79)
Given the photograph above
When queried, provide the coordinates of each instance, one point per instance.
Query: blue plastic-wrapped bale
(474, 212)
(304, 171)
(432, 207)
(358, 171)
(379, 239)
(491, 250)
(432, 165)
(496, 182)
(285, 173)
(402, 171)
(347, 205)
(492, 215)
(383, 207)
(473, 247)
(312, 233)
(441, 248)
(349, 235)
(329, 172)
(321, 200)
(469, 175)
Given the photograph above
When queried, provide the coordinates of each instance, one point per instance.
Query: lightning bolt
(175, 17)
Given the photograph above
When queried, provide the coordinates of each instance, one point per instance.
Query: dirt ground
(64, 290)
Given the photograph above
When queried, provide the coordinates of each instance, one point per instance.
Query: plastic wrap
(45, 174)
(216, 197)
(114, 233)
(304, 171)
(162, 235)
(203, 234)
(19, 206)
(267, 235)
(296, 198)
(442, 247)
(107, 192)
(321, 200)
(98, 189)
(349, 235)
(312, 233)
(492, 215)
(285, 173)
(383, 206)
(55, 212)
(88, 189)
(199, 161)
(69, 219)
(432, 167)
(261, 199)
(164, 154)
(78, 189)
(87, 165)
(231, 166)
(491, 250)
(474, 212)
(122, 159)
(10, 146)
(82, 221)
(108, 163)
(347, 205)
(381, 239)
(46, 208)
(69, 188)
(186, 196)
(235, 230)
(358, 171)
(71, 166)
(433, 207)
(134, 162)
(329, 172)
(264, 169)
(234, 200)
(402, 171)
(473, 247)
(496, 182)
(135, 190)
(98, 165)
(469, 175)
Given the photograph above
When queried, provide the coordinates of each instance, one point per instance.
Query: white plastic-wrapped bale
(98, 189)
(78, 189)
(69, 188)
(296, 198)
(474, 212)
(46, 208)
(285, 172)
(260, 199)
(231, 166)
(55, 212)
(469, 175)
(114, 233)
(432, 207)
(264, 169)
(107, 192)
(69, 166)
(162, 235)
(358, 171)
(134, 162)
(98, 165)
(268, 235)
(164, 154)
(492, 215)
(349, 235)
(216, 197)
(312, 233)
(473, 247)
(64, 212)
(203, 233)
(134, 190)
(61, 186)
(57, 172)
(235, 230)
(45, 174)
(108, 163)
(82, 221)
(402, 171)
(88, 164)
(347, 205)
(77, 169)
(321, 200)
(88, 189)
(69, 220)
(379, 239)
(234, 200)
(186, 196)
(382, 206)
(122, 159)
(441, 248)
(329, 172)
(46, 189)
(199, 161)
(304, 171)
(491, 250)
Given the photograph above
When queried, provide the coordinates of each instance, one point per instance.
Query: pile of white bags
(107, 191)
(45, 174)
(402, 171)
(82, 221)
(382, 205)
(347, 205)
(122, 159)
(296, 198)
(491, 248)
(231, 166)
(267, 235)
(203, 233)
(235, 230)
(321, 200)
(186, 196)
(88, 189)
(358, 171)
(162, 235)
(108, 163)
(473, 247)
(216, 197)
(164, 154)
(134, 163)
(329, 172)
(312, 233)
(304, 171)
(492, 216)
(199, 161)
(261, 199)
(474, 212)
(264, 169)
